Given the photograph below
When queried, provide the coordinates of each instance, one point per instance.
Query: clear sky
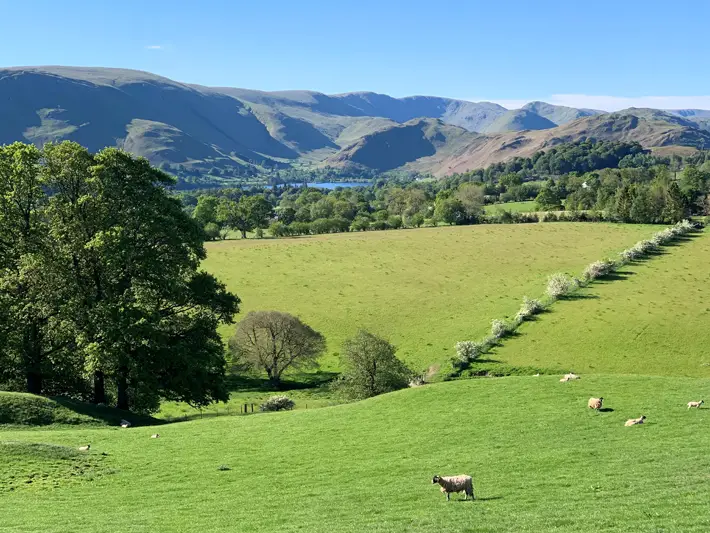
(603, 54)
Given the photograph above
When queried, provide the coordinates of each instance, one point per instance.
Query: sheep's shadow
(488, 499)
(605, 410)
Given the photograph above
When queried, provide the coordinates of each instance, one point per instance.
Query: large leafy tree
(249, 213)
(145, 316)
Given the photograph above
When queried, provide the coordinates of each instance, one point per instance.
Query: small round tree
(272, 342)
(371, 367)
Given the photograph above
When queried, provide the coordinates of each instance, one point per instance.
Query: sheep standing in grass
(695, 404)
(449, 484)
(634, 421)
(595, 403)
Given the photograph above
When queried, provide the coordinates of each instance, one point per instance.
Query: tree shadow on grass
(606, 410)
(110, 415)
(314, 380)
(576, 296)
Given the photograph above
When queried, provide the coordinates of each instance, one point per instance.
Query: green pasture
(540, 459)
(650, 318)
(512, 207)
(423, 289)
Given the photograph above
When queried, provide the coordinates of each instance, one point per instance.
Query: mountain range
(192, 130)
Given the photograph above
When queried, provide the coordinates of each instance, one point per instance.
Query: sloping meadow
(423, 289)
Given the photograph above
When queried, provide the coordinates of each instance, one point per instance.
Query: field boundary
(560, 286)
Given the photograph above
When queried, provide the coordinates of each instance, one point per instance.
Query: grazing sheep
(155, 436)
(449, 484)
(125, 424)
(84, 448)
(695, 404)
(595, 403)
(634, 421)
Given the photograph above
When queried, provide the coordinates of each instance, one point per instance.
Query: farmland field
(541, 461)
(422, 289)
(513, 207)
(652, 321)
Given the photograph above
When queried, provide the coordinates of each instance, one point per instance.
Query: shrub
(300, 228)
(394, 222)
(499, 328)
(278, 403)
(529, 308)
(259, 233)
(549, 217)
(379, 225)
(467, 351)
(211, 231)
(279, 229)
(360, 224)
(561, 285)
(598, 269)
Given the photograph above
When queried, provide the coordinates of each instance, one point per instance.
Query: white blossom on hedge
(498, 328)
(467, 351)
(529, 307)
(598, 269)
(560, 285)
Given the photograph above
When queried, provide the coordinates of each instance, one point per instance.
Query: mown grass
(422, 289)
(541, 461)
(512, 207)
(650, 318)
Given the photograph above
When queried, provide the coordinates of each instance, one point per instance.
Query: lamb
(84, 448)
(155, 436)
(595, 403)
(569, 377)
(125, 424)
(460, 483)
(695, 404)
(634, 421)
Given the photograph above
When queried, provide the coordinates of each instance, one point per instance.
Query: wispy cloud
(608, 103)
(155, 47)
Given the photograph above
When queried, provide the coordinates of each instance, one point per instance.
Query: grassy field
(513, 207)
(541, 461)
(651, 320)
(422, 289)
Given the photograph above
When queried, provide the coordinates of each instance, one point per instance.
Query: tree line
(101, 295)
(638, 187)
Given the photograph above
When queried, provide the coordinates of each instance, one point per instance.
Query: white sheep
(84, 448)
(569, 377)
(460, 483)
(155, 436)
(695, 404)
(595, 403)
(634, 421)
(125, 424)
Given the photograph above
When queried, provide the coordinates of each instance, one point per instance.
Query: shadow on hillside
(236, 383)
(110, 415)
(619, 275)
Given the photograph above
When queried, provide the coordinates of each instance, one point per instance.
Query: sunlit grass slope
(651, 320)
(423, 289)
(541, 461)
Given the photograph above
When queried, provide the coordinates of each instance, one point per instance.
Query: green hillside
(423, 289)
(652, 321)
(540, 459)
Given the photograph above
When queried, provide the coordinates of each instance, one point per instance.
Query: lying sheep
(569, 377)
(125, 424)
(84, 448)
(634, 421)
(595, 403)
(695, 404)
(449, 484)
(155, 436)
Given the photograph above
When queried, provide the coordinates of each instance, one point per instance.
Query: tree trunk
(244, 234)
(122, 389)
(33, 359)
(99, 387)
(34, 382)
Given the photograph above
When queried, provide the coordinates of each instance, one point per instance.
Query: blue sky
(600, 54)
